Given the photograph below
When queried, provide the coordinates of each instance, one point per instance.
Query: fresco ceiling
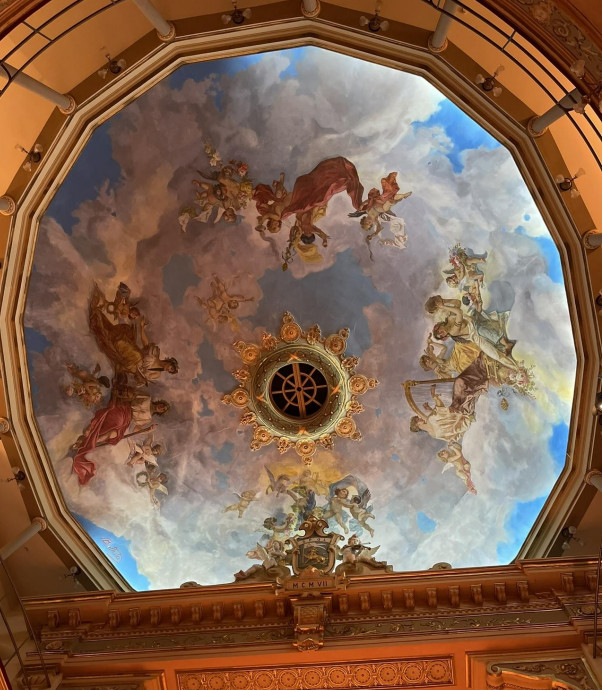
(298, 283)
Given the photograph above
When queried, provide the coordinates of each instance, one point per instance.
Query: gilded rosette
(298, 389)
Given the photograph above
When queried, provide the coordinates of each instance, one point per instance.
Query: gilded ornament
(248, 418)
(298, 389)
(239, 397)
(355, 407)
(290, 332)
(249, 354)
(268, 342)
(305, 448)
(261, 437)
(326, 442)
(345, 427)
(284, 444)
(313, 335)
(336, 344)
(358, 384)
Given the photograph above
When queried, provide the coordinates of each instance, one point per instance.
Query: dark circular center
(298, 390)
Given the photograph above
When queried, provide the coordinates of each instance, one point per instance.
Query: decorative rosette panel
(298, 389)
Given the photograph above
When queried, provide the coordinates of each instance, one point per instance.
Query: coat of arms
(315, 549)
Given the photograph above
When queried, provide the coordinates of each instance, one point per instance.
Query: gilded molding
(572, 673)
(416, 673)
(555, 27)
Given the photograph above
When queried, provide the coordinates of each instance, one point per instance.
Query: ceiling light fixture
(31, 157)
(113, 67)
(593, 96)
(238, 16)
(375, 23)
(489, 84)
(568, 534)
(567, 184)
(19, 476)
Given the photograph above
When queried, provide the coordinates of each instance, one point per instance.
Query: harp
(419, 392)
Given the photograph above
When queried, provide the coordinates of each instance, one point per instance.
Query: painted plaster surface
(175, 236)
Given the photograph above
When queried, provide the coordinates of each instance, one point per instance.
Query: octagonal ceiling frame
(150, 70)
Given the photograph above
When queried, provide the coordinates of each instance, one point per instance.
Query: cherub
(355, 551)
(311, 480)
(86, 385)
(244, 501)
(377, 207)
(440, 422)
(453, 456)
(145, 453)
(220, 305)
(335, 508)
(154, 483)
(279, 532)
(360, 511)
(270, 203)
(465, 264)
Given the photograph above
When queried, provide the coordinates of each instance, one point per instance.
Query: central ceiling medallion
(298, 389)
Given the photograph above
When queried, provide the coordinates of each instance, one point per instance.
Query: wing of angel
(162, 489)
(370, 552)
(271, 478)
(365, 497)
(208, 175)
(263, 554)
(237, 495)
(447, 466)
(96, 369)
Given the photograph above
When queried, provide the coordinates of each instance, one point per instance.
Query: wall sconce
(74, 571)
(113, 67)
(19, 476)
(567, 184)
(594, 95)
(32, 157)
(599, 300)
(568, 534)
(489, 84)
(375, 23)
(238, 16)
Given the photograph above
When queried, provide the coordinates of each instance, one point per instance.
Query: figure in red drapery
(317, 187)
(108, 426)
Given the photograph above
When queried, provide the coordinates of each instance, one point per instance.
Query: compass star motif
(298, 389)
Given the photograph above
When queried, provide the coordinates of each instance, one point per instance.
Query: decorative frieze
(415, 673)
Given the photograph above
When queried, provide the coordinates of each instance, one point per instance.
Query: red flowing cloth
(317, 187)
(390, 189)
(262, 196)
(112, 418)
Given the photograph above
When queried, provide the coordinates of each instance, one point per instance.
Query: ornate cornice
(527, 596)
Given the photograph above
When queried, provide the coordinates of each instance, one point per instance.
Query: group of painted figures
(120, 331)
(225, 190)
(469, 349)
(345, 505)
